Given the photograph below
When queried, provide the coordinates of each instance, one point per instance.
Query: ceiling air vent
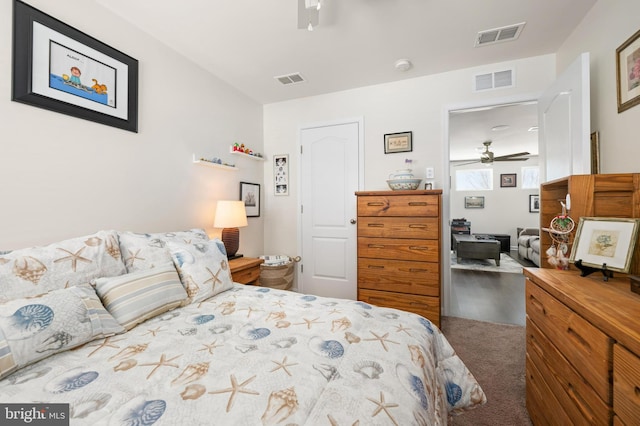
(498, 35)
(290, 79)
(493, 80)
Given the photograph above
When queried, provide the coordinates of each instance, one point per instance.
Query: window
(531, 177)
(474, 180)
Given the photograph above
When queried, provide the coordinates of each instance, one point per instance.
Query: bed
(213, 351)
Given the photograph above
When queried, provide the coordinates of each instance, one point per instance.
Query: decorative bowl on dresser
(399, 246)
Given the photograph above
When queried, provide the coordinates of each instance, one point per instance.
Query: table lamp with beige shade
(230, 215)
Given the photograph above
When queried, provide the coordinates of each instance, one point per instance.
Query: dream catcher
(560, 230)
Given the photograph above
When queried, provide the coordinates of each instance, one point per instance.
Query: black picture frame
(43, 46)
(398, 142)
(508, 180)
(250, 194)
(534, 203)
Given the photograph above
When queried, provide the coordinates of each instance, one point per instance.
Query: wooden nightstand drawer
(245, 270)
(399, 205)
(246, 276)
(583, 345)
(626, 385)
(399, 227)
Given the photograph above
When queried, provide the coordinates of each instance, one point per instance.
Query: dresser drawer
(583, 345)
(399, 276)
(399, 249)
(399, 205)
(543, 407)
(578, 399)
(427, 228)
(626, 385)
(428, 307)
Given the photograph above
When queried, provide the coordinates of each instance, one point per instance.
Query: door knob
(352, 221)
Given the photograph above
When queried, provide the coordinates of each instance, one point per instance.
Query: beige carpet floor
(495, 355)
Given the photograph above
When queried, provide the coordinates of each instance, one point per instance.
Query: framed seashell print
(62, 69)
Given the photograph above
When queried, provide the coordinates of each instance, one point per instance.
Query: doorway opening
(493, 160)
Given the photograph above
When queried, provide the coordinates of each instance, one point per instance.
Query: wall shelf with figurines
(243, 151)
(215, 162)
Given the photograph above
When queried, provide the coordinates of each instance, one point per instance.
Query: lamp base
(235, 256)
(231, 241)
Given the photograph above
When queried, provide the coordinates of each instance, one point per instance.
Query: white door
(564, 123)
(329, 179)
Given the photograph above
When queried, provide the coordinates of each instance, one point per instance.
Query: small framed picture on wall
(281, 174)
(508, 180)
(474, 202)
(534, 203)
(250, 194)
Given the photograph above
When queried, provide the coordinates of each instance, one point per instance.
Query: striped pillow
(138, 296)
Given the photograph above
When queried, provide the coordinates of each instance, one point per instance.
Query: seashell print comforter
(259, 356)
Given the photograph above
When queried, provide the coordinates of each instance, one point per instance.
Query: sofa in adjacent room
(529, 245)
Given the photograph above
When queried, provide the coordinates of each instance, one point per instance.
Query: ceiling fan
(487, 157)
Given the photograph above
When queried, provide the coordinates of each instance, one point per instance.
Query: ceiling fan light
(486, 157)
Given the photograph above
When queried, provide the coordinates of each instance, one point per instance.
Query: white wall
(505, 209)
(64, 177)
(608, 25)
(419, 105)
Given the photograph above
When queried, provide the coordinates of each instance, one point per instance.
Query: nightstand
(245, 270)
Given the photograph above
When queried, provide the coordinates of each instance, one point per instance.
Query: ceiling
(468, 129)
(246, 43)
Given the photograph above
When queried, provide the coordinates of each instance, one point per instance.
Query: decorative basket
(278, 276)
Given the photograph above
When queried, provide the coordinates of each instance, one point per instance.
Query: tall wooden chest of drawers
(399, 250)
(583, 349)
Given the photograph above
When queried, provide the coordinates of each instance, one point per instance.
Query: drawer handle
(417, 226)
(581, 403)
(375, 204)
(537, 304)
(375, 225)
(419, 304)
(418, 248)
(578, 337)
(535, 344)
(376, 246)
(417, 203)
(375, 266)
(417, 270)
(637, 392)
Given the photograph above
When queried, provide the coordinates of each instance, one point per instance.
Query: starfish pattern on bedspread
(235, 389)
(164, 362)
